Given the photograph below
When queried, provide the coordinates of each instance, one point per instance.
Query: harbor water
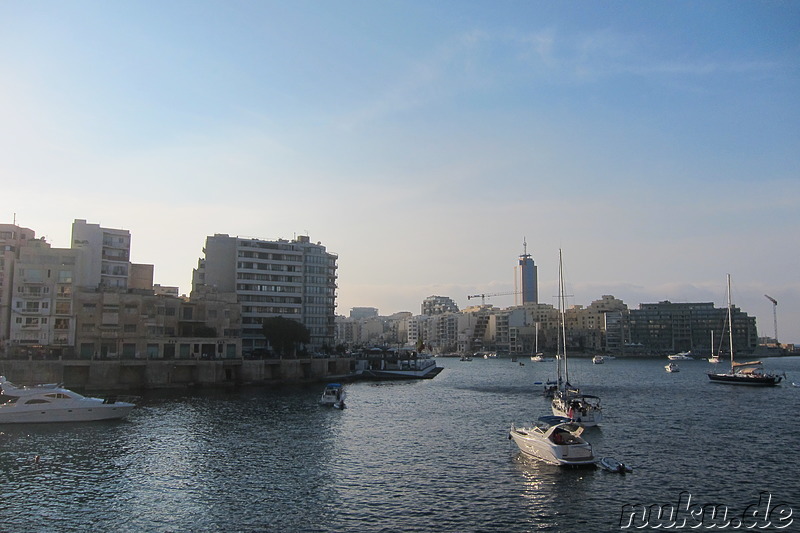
(427, 455)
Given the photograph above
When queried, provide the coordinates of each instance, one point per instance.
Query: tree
(284, 334)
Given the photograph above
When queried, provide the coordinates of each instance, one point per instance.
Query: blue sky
(656, 143)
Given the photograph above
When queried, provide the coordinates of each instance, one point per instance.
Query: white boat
(749, 373)
(598, 360)
(53, 403)
(682, 356)
(555, 440)
(333, 396)
(672, 367)
(610, 464)
(538, 357)
(569, 401)
(714, 359)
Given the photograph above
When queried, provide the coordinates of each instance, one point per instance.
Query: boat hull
(588, 417)
(540, 448)
(428, 373)
(756, 381)
(86, 413)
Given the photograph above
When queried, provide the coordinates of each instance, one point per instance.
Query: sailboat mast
(562, 310)
(730, 321)
(712, 343)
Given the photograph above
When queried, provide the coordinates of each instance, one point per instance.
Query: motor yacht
(333, 396)
(554, 440)
(54, 403)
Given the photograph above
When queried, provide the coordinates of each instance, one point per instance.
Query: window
(33, 274)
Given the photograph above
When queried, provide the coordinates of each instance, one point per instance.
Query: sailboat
(583, 409)
(749, 373)
(714, 357)
(538, 357)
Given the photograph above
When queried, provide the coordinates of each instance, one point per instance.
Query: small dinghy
(610, 464)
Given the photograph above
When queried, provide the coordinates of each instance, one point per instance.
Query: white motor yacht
(682, 356)
(53, 403)
(555, 440)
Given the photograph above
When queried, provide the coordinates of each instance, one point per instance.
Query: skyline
(656, 144)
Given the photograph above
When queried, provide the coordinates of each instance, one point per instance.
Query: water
(429, 455)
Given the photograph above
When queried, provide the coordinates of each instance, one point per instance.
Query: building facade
(12, 239)
(666, 327)
(43, 287)
(293, 279)
(89, 301)
(436, 305)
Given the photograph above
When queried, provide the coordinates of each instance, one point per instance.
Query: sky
(657, 144)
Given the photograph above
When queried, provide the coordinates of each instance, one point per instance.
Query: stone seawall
(135, 374)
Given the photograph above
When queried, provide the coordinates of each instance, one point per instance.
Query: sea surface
(429, 455)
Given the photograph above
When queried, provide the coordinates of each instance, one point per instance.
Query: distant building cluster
(90, 301)
(607, 325)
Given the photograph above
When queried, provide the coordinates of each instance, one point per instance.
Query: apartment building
(293, 279)
(676, 327)
(12, 239)
(91, 301)
(41, 308)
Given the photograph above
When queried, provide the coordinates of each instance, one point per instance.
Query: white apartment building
(293, 279)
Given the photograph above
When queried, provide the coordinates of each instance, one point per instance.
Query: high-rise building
(293, 279)
(527, 277)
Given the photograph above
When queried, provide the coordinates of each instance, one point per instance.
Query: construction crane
(492, 295)
(774, 314)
